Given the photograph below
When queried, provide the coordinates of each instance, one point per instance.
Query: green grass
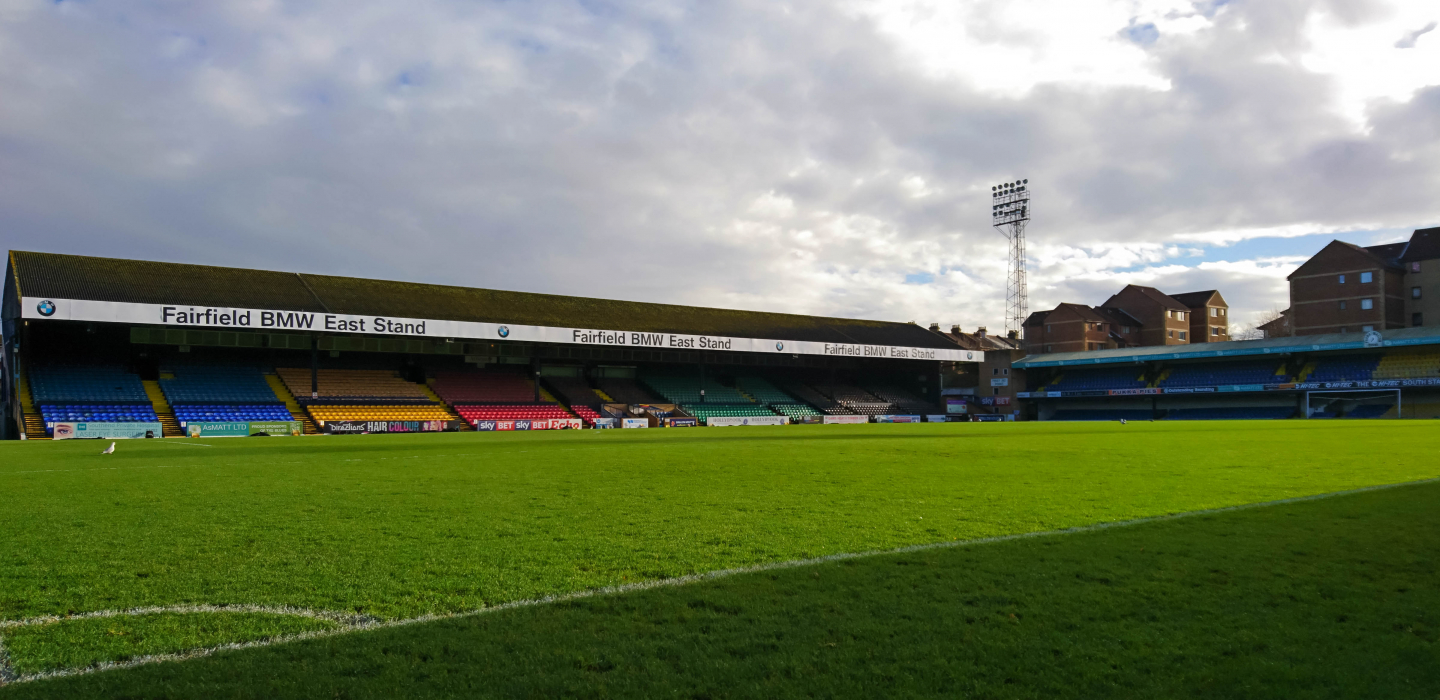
(397, 526)
(81, 642)
(1330, 598)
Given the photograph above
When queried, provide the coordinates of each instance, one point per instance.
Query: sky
(829, 158)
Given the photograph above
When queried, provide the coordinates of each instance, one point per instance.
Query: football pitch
(469, 564)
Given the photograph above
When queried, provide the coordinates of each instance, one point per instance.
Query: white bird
(109, 450)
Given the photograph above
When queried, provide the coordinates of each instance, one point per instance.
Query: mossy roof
(148, 282)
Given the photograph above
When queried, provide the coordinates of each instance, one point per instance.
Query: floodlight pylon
(1010, 212)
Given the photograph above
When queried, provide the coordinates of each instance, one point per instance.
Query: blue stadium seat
(1231, 413)
(1094, 379)
(1223, 374)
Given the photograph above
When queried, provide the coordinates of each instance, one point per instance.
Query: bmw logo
(779, 346)
(46, 308)
(504, 331)
(969, 355)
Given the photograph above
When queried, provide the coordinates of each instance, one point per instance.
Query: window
(1047, 328)
(1414, 292)
(1342, 306)
(1222, 312)
(994, 370)
(1182, 335)
(1214, 312)
(1414, 267)
(1367, 303)
(1415, 320)
(1171, 334)
(1169, 313)
(1049, 348)
(1342, 279)
(997, 391)
(1124, 329)
(1214, 330)
(1343, 329)
(1005, 370)
(1367, 277)
(1366, 329)
(1222, 330)
(1180, 315)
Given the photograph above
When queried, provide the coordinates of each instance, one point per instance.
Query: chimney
(935, 326)
(980, 331)
(955, 329)
(1013, 335)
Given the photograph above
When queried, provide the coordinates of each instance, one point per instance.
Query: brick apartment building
(1346, 288)
(996, 380)
(1136, 315)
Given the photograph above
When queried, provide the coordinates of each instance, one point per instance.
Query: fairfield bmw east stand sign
(279, 320)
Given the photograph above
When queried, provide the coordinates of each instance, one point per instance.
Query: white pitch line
(328, 615)
(672, 583)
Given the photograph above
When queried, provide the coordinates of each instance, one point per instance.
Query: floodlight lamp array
(1010, 202)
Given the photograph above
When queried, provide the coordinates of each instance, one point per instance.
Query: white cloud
(784, 156)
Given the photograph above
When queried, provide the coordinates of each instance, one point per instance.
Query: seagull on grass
(109, 450)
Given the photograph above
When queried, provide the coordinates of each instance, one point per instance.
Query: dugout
(138, 317)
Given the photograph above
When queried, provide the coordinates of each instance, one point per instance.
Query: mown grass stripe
(654, 584)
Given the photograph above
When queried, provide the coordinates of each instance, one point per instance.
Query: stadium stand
(387, 412)
(586, 414)
(795, 410)
(683, 386)
(1231, 413)
(626, 391)
(763, 391)
(184, 413)
(96, 413)
(512, 412)
(85, 383)
(352, 384)
(1224, 373)
(1102, 414)
(1408, 365)
(485, 386)
(574, 392)
(88, 393)
(706, 411)
(1342, 369)
(855, 399)
(903, 401)
(1093, 379)
(218, 384)
(820, 401)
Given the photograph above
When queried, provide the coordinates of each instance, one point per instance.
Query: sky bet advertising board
(541, 424)
(267, 320)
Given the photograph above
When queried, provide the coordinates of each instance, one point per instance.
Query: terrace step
(169, 427)
(281, 392)
(35, 427)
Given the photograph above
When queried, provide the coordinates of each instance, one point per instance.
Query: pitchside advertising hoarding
(719, 421)
(545, 424)
(106, 431)
(355, 427)
(262, 320)
(240, 428)
(844, 420)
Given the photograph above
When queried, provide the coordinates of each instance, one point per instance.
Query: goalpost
(1334, 403)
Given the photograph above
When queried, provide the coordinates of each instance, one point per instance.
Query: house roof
(1156, 295)
(1195, 300)
(1424, 245)
(1389, 252)
(147, 282)
(1350, 247)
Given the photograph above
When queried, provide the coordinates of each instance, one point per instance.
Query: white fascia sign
(181, 316)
